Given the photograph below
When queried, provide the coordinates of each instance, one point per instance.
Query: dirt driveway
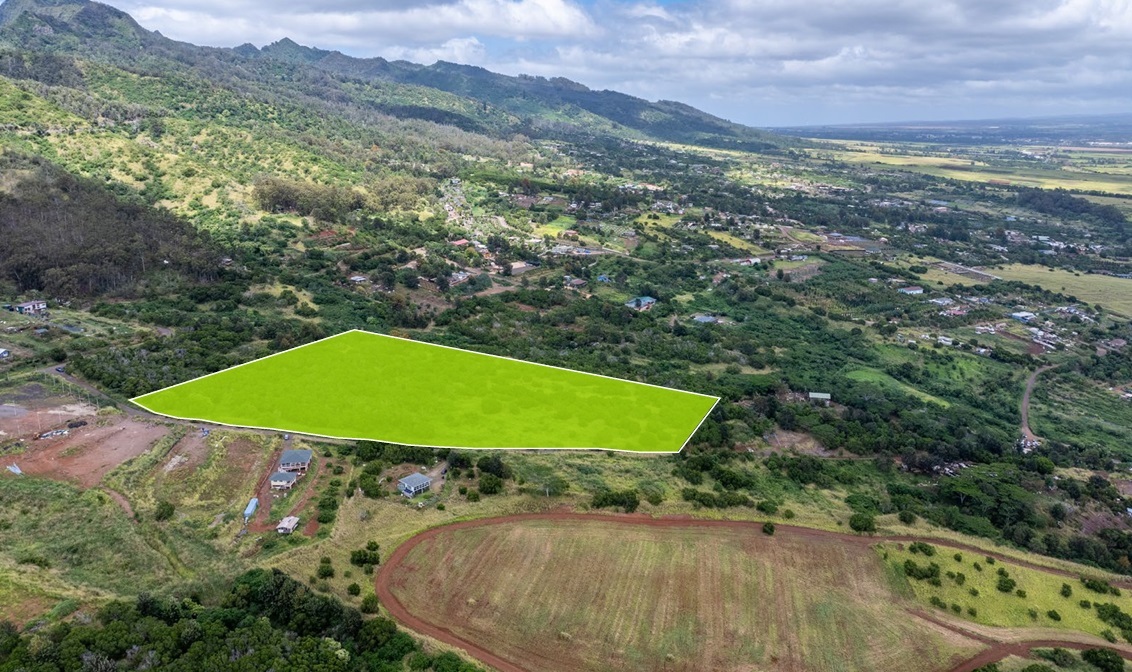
(86, 454)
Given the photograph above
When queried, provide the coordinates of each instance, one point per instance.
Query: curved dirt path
(383, 582)
(122, 502)
(1027, 433)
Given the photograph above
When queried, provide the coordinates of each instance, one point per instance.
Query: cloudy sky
(759, 62)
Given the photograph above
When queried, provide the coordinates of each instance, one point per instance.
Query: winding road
(997, 648)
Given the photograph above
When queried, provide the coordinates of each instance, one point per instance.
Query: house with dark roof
(283, 480)
(295, 460)
(414, 484)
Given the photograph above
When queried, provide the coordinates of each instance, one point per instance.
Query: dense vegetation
(265, 621)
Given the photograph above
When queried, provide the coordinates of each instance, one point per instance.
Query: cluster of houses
(292, 465)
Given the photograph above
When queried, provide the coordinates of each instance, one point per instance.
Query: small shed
(283, 480)
(249, 511)
(31, 307)
(287, 525)
(414, 484)
(821, 397)
(295, 460)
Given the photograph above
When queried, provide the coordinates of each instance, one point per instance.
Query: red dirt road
(998, 650)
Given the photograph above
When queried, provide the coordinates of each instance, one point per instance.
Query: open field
(959, 168)
(359, 385)
(884, 380)
(678, 597)
(1113, 293)
(1005, 609)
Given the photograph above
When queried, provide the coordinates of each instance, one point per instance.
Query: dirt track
(1026, 431)
(997, 649)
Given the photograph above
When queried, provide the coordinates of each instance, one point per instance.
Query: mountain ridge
(88, 30)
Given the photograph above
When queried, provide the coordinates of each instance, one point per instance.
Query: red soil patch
(89, 453)
(185, 457)
(386, 579)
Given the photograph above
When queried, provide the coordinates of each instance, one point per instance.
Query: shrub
(440, 507)
(490, 484)
(1085, 604)
(473, 496)
(369, 604)
(325, 571)
(1037, 667)
(921, 547)
(1104, 660)
(972, 612)
(978, 567)
(956, 608)
(958, 557)
(960, 578)
(768, 528)
(768, 507)
(907, 517)
(936, 602)
(1020, 593)
(1066, 590)
(788, 514)
(1006, 584)
(1109, 636)
(974, 592)
(990, 560)
(626, 499)
(862, 523)
(1060, 657)
(354, 589)
(463, 489)
(164, 511)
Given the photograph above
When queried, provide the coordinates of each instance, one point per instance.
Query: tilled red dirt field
(395, 578)
(88, 453)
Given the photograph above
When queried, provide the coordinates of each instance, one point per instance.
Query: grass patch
(1042, 592)
(1115, 294)
(359, 385)
(884, 380)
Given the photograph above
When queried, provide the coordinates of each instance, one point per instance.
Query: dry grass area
(590, 595)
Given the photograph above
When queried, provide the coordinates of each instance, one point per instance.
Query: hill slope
(476, 100)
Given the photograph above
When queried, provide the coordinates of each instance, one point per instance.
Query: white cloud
(758, 61)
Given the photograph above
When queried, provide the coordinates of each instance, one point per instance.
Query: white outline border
(684, 444)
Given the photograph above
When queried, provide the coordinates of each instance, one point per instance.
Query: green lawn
(359, 385)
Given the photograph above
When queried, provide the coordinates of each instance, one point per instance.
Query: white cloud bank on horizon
(761, 62)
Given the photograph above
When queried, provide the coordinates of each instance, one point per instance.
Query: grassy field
(884, 380)
(1068, 407)
(996, 608)
(667, 598)
(1052, 177)
(1115, 294)
(359, 385)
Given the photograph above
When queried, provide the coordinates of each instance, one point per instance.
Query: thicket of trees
(68, 236)
(265, 621)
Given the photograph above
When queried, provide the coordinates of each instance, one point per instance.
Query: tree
(863, 523)
(768, 529)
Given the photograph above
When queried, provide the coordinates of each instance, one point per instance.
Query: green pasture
(359, 385)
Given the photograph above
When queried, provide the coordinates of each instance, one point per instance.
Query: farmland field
(359, 385)
(679, 596)
(1113, 293)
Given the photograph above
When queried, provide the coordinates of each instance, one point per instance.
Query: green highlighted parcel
(359, 385)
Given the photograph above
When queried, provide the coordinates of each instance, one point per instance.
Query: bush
(973, 591)
(1060, 657)
(463, 489)
(1109, 636)
(473, 496)
(1020, 593)
(788, 514)
(958, 557)
(914, 571)
(907, 517)
(862, 523)
(1104, 660)
(768, 529)
(325, 571)
(490, 484)
(1085, 604)
(972, 612)
(354, 589)
(920, 547)
(369, 604)
(768, 507)
(626, 499)
(1066, 590)
(1006, 584)
(164, 511)
(1036, 667)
